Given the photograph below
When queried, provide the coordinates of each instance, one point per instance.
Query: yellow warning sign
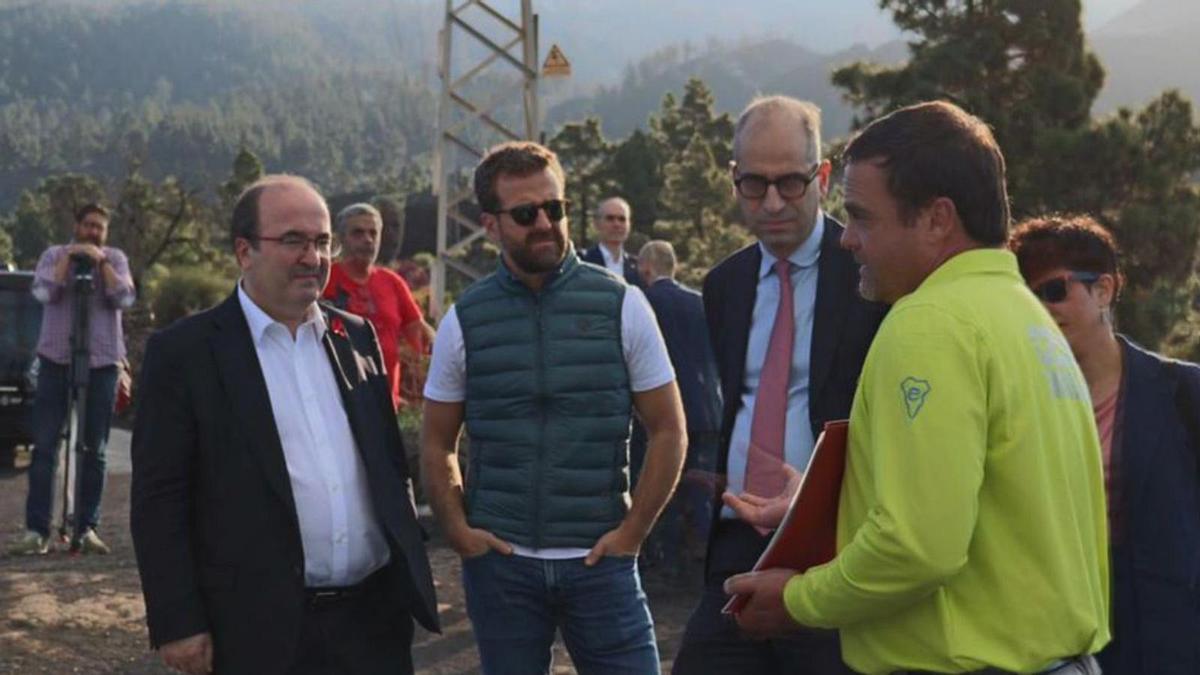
(556, 64)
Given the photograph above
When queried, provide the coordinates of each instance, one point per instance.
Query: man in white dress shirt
(271, 507)
(613, 222)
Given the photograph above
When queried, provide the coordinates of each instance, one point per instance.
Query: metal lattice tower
(466, 128)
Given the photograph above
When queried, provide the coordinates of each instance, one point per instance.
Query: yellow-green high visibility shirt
(971, 529)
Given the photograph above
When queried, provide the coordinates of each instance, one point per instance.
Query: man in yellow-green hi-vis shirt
(971, 529)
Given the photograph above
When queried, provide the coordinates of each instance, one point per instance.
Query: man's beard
(529, 262)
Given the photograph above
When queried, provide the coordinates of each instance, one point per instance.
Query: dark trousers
(365, 633)
(712, 643)
(49, 413)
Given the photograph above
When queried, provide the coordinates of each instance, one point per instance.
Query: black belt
(327, 596)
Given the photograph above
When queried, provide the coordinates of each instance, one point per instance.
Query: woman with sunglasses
(1148, 415)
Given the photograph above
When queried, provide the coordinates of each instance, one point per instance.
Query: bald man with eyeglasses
(271, 508)
(789, 333)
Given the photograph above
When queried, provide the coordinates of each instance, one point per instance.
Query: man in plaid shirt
(54, 287)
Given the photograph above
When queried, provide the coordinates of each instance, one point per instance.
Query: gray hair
(660, 256)
(619, 200)
(808, 115)
(359, 209)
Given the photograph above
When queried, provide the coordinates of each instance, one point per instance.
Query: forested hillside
(179, 88)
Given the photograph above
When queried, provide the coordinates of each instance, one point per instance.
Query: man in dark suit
(613, 220)
(271, 508)
(781, 380)
(680, 314)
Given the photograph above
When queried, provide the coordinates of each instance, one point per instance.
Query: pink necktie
(764, 470)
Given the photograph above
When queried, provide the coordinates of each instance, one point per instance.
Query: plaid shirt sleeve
(120, 296)
(46, 288)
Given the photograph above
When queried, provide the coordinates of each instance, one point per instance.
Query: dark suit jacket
(594, 256)
(1156, 541)
(212, 514)
(680, 313)
(843, 326)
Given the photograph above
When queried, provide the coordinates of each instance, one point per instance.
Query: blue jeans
(516, 603)
(49, 413)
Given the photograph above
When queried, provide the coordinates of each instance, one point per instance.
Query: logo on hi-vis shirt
(915, 392)
(1064, 377)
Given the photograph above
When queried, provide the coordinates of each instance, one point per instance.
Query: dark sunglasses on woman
(1054, 291)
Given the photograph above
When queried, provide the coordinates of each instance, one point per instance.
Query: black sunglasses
(789, 186)
(1054, 291)
(526, 214)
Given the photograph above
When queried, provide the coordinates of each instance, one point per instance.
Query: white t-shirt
(645, 357)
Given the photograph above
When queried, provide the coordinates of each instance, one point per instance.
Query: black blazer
(212, 513)
(594, 256)
(1156, 541)
(680, 314)
(843, 326)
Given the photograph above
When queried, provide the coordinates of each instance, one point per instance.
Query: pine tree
(583, 151)
(1024, 68)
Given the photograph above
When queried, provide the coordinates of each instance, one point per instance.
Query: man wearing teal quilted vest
(545, 361)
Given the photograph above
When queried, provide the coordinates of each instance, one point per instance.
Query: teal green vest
(548, 406)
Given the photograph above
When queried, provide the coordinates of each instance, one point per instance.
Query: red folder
(808, 534)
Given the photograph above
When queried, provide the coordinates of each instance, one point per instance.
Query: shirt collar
(973, 262)
(805, 255)
(259, 321)
(608, 257)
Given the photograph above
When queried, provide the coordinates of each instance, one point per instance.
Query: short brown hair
(517, 159)
(244, 222)
(90, 208)
(937, 149)
(1076, 243)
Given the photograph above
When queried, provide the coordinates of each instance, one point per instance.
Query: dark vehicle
(20, 323)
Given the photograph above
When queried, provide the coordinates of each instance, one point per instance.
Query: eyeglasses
(1054, 291)
(297, 243)
(789, 186)
(526, 214)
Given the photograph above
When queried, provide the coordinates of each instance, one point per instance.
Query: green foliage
(696, 189)
(247, 168)
(45, 215)
(187, 290)
(635, 170)
(6, 249)
(1025, 69)
(582, 151)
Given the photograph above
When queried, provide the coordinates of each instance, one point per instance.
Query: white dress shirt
(642, 344)
(342, 540)
(615, 264)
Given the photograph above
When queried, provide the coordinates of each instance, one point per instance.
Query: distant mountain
(1151, 47)
(735, 73)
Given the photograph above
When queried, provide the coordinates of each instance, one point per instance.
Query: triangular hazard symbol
(556, 63)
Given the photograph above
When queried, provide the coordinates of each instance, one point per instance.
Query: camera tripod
(77, 387)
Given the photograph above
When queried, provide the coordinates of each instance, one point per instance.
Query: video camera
(82, 267)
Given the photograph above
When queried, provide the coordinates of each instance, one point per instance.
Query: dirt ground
(63, 614)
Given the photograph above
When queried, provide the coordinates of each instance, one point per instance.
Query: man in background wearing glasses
(545, 361)
(271, 509)
(613, 220)
(789, 333)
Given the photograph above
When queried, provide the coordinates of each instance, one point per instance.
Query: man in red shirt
(358, 285)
